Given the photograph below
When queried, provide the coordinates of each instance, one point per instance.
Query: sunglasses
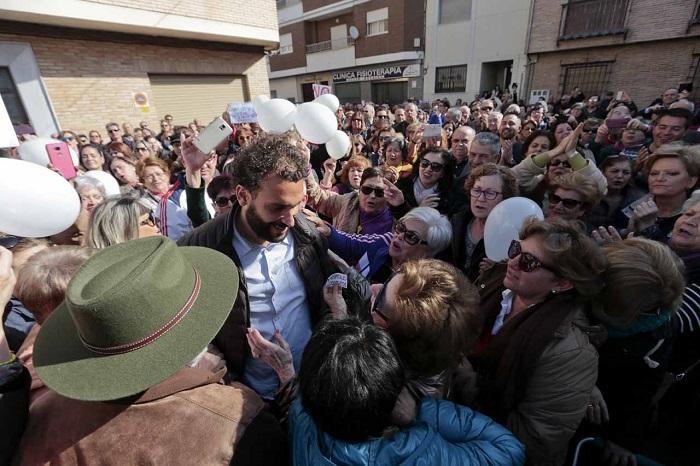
(378, 192)
(591, 131)
(10, 241)
(409, 236)
(142, 149)
(113, 130)
(434, 166)
(563, 163)
(383, 116)
(486, 109)
(527, 263)
(380, 301)
(223, 201)
(568, 203)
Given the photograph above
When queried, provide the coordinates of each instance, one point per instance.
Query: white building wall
(496, 31)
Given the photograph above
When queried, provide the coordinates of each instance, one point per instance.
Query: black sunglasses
(434, 166)
(383, 116)
(568, 203)
(527, 263)
(379, 192)
(409, 236)
(591, 131)
(563, 163)
(9, 241)
(380, 301)
(223, 201)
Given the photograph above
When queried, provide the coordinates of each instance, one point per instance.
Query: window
(592, 78)
(286, 43)
(584, 18)
(451, 79)
(378, 22)
(10, 96)
(454, 11)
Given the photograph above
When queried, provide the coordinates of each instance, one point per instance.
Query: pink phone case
(59, 155)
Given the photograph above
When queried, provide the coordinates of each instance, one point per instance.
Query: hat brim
(66, 366)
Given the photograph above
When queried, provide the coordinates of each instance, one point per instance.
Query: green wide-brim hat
(134, 314)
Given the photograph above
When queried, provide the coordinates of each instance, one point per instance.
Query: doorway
(496, 73)
(389, 93)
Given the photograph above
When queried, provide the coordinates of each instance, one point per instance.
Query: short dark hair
(370, 172)
(350, 378)
(218, 184)
(265, 156)
(676, 113)
(536, 134)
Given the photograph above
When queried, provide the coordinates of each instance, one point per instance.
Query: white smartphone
(212, 135)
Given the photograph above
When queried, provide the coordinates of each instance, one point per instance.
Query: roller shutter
(187, 97)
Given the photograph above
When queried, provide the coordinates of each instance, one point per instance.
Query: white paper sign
(337, 279)
(320, 89)
(8, 138)
(242, 112)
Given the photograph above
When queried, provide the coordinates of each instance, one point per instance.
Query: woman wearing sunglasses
(535, 174)
(431, 181)
(536, 364)
(421, 233)
(364, 211)
(572, 197)
(487, 186)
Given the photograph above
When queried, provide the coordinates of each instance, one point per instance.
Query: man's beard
(508, 133)
(266, 231)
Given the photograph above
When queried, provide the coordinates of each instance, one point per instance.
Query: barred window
(451, 78)
(591, 78)
(585, 18)
(378, 22)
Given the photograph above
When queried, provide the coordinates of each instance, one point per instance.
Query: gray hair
(455, 113)
(409, 105)
(115, 221)
(488, 139)
(82, 182)
(692, 200)
(439, 228)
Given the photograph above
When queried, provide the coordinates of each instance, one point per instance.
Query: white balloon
(34, 150)
(339, 145)
(108, 181)
(328, 100)
(315, 122)
(35, 201)
(504, 223)
(259, 100)
(276, 115)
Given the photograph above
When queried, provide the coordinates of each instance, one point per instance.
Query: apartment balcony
(330, 54)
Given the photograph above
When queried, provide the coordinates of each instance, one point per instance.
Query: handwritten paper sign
(320, 89)
(242, 112)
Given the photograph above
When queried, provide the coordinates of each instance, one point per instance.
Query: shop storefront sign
(372, 74)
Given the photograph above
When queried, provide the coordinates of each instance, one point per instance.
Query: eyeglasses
(10, 241)
(380, 302)
(486, 109)
(67, 138)
(409, 236)
(591, 130)
(378, 192)
(567, 203)
(115, 130)
(142, 149)
(488, 194)
(383, 116)
(434, 166)
(223, 201)
(563, 163)
(527, 263)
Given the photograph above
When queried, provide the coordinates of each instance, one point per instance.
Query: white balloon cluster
(315, 121)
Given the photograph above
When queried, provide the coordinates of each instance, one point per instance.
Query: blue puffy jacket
(443, 433)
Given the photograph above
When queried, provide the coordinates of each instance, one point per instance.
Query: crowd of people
(266, 303)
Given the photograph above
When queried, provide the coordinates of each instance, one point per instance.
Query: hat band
(128, 347)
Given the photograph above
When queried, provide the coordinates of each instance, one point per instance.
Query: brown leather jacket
(187, 419)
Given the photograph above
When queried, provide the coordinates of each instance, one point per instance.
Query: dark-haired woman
(431, 181)
(618, 171)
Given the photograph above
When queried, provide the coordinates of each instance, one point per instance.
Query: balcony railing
(333, 44)
(585, 18)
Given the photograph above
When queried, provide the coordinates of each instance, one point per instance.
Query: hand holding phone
(61, 160)
(217, 131)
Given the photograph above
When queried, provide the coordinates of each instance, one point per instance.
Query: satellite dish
(354, 32)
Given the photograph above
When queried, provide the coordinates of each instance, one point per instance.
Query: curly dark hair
(268, 155)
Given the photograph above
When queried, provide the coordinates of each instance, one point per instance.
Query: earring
(554, 291)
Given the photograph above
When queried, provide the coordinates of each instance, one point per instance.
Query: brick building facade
(86, 72)
(638, 46)
(382, 62)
